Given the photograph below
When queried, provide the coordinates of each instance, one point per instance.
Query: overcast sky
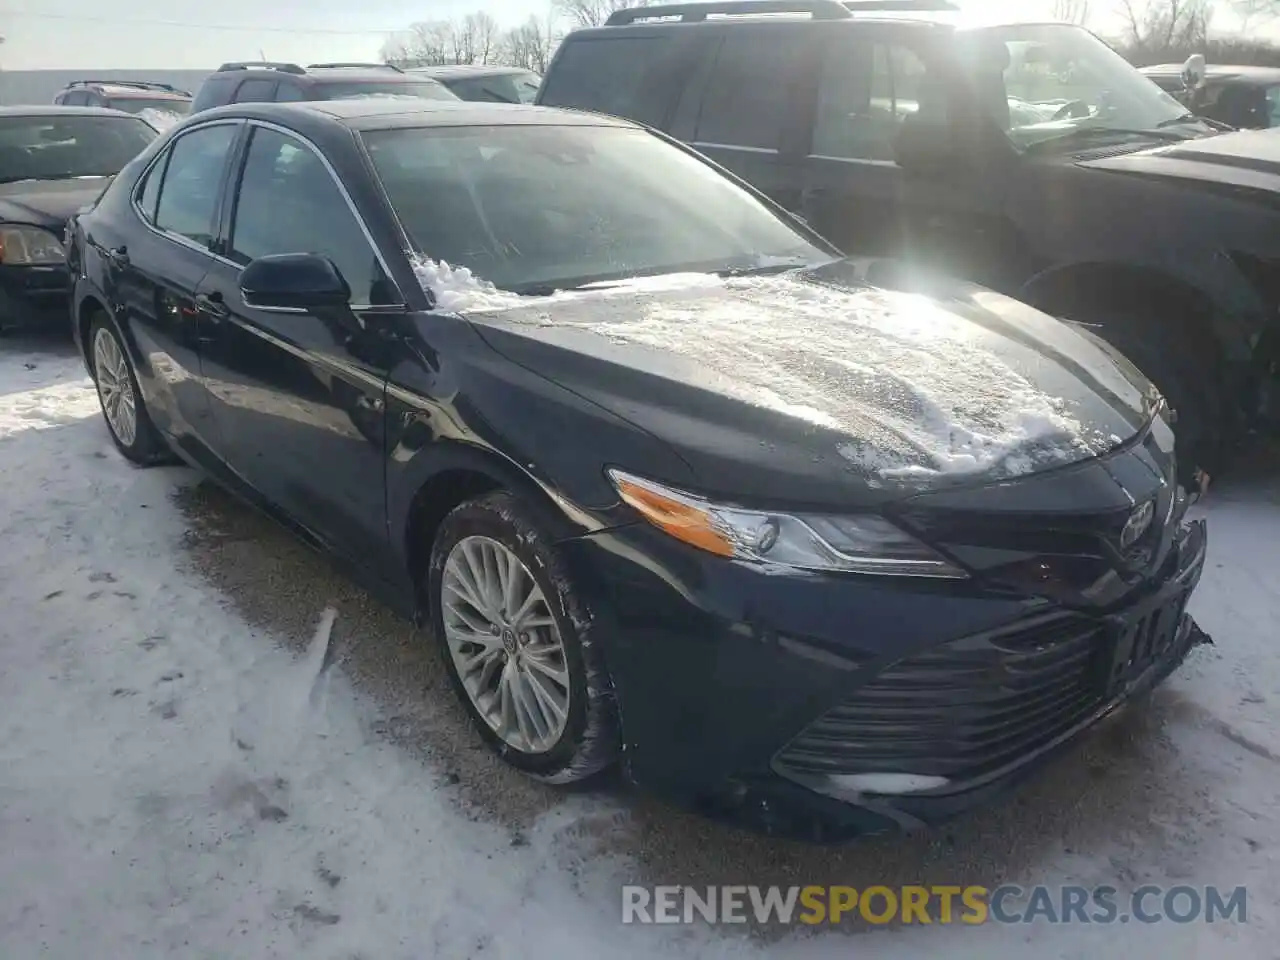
(182, 34)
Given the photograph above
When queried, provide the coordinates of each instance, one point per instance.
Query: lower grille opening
(965, 708)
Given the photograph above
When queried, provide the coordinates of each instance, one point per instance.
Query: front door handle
(119, 256)
(212, 305)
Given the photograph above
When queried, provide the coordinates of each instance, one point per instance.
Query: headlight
(850, 544)
(27, 246)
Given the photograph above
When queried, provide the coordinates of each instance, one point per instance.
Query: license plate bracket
(1142, 638)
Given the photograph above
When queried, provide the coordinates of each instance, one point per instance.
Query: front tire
(126, 415)
(517, 644)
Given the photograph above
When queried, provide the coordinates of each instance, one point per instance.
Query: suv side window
(749, 94)
(288, 202)
(290, 92)
(188, 204)
(608, 76)
(76, 98)
(256, 91)
(867, 92)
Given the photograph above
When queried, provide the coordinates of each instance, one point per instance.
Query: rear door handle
(212, 305)
(119, 256)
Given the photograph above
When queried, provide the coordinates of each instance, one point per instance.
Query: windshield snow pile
(914, 389)
(457, 289)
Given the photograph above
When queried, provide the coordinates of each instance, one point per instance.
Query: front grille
(964, 708)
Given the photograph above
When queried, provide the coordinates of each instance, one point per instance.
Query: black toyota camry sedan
(53, 161)
(803, 542)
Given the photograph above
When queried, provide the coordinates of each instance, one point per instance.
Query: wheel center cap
(509, 640)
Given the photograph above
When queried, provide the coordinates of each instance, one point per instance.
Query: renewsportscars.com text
(932, 904)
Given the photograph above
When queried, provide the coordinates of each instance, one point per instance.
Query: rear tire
(120, 398)
(507, 615)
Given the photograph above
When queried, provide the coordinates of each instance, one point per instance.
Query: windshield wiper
(1095, 133)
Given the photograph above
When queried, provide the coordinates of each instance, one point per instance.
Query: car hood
(809, 385)
(1246, 158)
(48, 203)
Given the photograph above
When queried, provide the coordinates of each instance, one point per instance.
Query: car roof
(326, 74)
(453, 71)
(1219, 72)
(54, 110)
(375, 113)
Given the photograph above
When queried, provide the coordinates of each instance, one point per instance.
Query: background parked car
(642, 483)
(131, 96)
(486, 82)
(53, 161)
(267, 82)
(1247, 97)
(894, 133)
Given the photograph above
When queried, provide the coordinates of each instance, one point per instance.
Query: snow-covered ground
(184, 774)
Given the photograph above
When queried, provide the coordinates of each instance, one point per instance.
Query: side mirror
(1194, 72)
(293, 282)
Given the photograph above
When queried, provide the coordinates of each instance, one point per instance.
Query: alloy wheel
(505, 644)
(115, 387)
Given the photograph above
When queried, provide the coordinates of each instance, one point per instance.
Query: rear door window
(749, 96)
(76, 98)
(609, 75)
(868, 90)
(192, 182)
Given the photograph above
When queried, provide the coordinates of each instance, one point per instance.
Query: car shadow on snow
(1124, 805)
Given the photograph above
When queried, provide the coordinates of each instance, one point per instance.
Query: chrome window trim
(333, 175)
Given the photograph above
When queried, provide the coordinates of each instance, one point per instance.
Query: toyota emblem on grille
(1137, 524)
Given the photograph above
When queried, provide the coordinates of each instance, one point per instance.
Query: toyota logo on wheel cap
(1138, 523)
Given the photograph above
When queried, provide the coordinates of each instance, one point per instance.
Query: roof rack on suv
(924, 6)
(358, 66)
(261, 65)
(137, 84)
(696, 12)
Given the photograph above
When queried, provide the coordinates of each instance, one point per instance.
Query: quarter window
(150, 191)
(188, 203)
(288, 202)
(868, 90)
(750, 91)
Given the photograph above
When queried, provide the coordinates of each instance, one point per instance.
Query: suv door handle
(119, 256)
(212, 305)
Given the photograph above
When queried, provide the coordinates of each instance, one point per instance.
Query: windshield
(532, 207)
(158, 104)
(506, 88)
(59, 148)
(1044, 81)
(416, 90)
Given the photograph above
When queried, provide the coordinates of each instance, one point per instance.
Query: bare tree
(593, 13)
(1160, 28)
(1071, 11)
(423, 44)
(531, 45)
(475, 39)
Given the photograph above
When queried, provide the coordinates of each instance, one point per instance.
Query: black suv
(131, 96)
(269, 82)
(1031, 158)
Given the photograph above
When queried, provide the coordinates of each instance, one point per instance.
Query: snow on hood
(918, 389)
